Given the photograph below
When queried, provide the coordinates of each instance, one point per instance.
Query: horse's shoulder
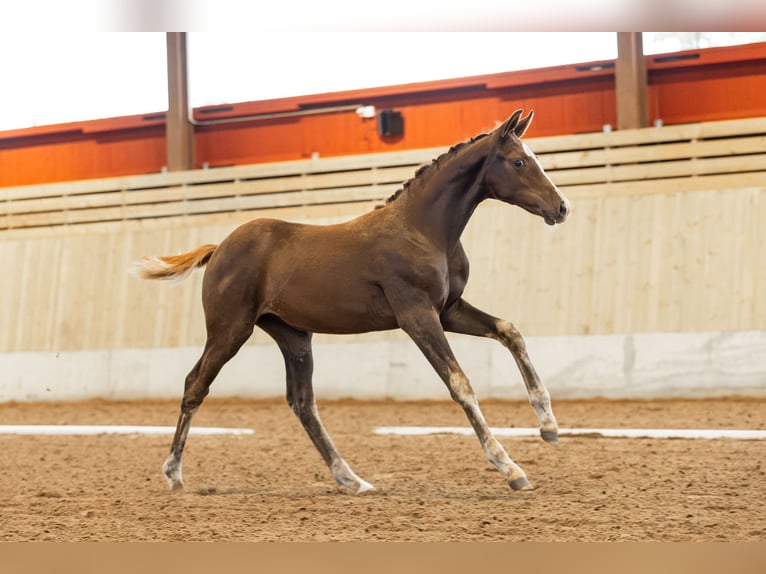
(458, 258)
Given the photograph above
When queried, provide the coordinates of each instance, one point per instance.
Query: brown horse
(400, 266)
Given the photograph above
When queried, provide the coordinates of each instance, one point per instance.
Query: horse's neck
(442, 203)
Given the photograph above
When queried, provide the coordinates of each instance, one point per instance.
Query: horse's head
(514, 175)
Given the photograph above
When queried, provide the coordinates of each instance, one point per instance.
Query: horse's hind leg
(223, 342)
(463, 318)
(299, 366)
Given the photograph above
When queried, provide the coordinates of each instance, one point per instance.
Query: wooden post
(179, 132)
(630, 77)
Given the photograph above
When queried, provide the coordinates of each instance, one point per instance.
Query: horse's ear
(523, 124)
(510, 124)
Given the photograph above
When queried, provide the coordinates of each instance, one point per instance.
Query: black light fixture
(390, 123)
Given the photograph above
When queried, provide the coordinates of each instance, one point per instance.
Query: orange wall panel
(79, 155)
(692, 86)
(706, 93)
(429, 121)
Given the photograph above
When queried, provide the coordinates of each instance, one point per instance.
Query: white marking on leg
(462, 388)
(541, 403)
(538, 394)
(172, 471)
(493, 450)
(346, 477)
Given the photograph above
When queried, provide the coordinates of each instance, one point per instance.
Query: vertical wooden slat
(675, 238)
(759, 260)
(655, 253)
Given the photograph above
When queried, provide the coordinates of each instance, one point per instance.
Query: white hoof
(364, 486)
(172, 471)
(346, 477)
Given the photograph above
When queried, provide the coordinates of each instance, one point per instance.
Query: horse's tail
(173, 267)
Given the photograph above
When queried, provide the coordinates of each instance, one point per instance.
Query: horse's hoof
(174, 480)
(550, 436)
(364, 487)
(171, 470)
(175, 486)
(520, 483)
(344, 476)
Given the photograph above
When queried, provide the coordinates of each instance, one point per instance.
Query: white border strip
(606, 433)
(113, 429)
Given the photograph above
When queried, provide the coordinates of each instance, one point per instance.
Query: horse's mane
(421, 171)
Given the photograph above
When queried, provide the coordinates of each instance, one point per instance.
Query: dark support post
(179, 132)
(630, 76)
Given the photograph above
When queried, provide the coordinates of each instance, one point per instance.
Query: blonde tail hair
(173, 267)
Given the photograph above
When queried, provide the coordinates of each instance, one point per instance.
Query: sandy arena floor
(273, 486)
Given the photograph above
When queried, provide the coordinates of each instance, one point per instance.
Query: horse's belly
(337, 309)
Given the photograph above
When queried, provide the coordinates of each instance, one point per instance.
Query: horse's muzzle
(561, 215)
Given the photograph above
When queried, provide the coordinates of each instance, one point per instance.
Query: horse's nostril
(563, 208)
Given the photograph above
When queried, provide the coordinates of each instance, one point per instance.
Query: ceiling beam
(179, 132)
(630, 77)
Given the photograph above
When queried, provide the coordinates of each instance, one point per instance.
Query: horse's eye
(518, 163)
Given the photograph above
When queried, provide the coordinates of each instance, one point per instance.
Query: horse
(401, 265)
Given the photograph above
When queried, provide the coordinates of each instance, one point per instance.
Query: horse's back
(315, 278)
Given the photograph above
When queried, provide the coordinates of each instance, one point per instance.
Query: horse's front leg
(422, 324)
(462, 317)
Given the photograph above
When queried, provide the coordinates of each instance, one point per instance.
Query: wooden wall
(666, 234)
(699, 85)
(690, 261)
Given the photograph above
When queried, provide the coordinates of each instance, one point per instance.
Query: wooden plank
(411, 158)
(749, 230)
(688, 272)
(303, 182)
(563, 178)
(279, 170)
(652, 153)
(319, 181)
(654, 253)
(59, 189)
(739, 238)
(758, 261)
(294, 198)
(583, 299)
(353, 180)
(235, 187)
(674, 133)
(326, 213)
(661, 170)
(728, 128)
(12, 286)
(407, 162)
(627, 284)
(215, 204)
(671, 291)
(65, 203)
(180, 207)
(666, 186)
(322, 182)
